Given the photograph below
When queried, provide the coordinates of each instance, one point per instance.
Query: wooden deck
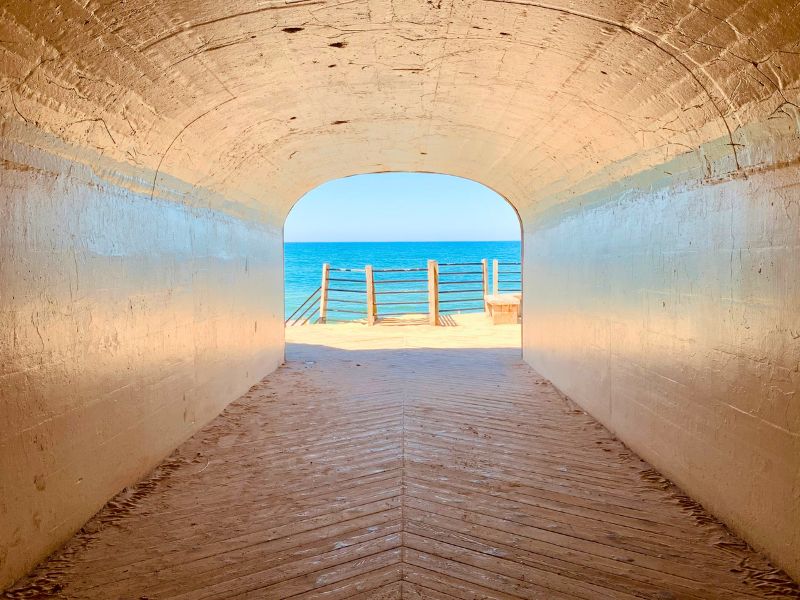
(408, 470)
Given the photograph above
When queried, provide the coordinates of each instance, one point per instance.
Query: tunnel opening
(402, 249)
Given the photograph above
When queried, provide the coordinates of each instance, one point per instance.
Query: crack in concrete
(192, 26)
(643, 36)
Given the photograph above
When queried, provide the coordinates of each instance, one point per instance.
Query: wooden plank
(372, 307)
(433, 293)
(485, 281)
(432, 584)
(359, 566)
(475, 571)
(323, 293)
(380, 584)
(264, 563)
(581, 580)
(413, 591)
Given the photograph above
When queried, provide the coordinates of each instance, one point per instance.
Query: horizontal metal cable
(344, 310)
(400, 281)
(341, 270)
(460, 291)
(400, 303)
(342, 320)
(409, 270)
(347, 280)
(464, 300)
(402, 292)
(469, 281)
(460, 273)
(346, 301)
(348, 291)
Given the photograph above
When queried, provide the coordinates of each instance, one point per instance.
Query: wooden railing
(344, 293)
(450, 281)
(392, 289)
(506, 277)
(370, 294)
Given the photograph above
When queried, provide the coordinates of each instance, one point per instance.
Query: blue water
(304, 262)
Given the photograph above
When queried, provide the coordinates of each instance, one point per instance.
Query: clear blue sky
(395, 207)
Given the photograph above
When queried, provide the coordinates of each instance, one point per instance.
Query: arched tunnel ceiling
(258, 101)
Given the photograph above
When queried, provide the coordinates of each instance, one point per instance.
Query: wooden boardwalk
(404, 473)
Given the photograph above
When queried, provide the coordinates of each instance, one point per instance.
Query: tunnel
(151, 151)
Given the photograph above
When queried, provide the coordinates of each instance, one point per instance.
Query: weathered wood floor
(406, 473)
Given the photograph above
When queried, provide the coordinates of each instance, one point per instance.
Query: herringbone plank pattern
(414, 473)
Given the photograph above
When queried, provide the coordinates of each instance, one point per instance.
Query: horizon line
(391, 241)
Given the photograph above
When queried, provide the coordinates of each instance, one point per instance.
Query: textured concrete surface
(625, 134)
(126, 324)
(262, 100)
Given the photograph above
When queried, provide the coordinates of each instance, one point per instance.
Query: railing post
(433, 292)
(323, 294)
(495, 276)
(485, 277)
(372, 312)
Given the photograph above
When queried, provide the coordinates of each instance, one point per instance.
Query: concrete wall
(126, 323)
(671, 312)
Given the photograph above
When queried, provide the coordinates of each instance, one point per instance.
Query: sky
(392, 207)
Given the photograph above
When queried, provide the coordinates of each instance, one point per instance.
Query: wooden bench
(503, 308)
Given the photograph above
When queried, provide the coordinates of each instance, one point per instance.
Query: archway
(388, 228)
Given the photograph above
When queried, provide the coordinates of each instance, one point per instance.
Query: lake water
(304, 262)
